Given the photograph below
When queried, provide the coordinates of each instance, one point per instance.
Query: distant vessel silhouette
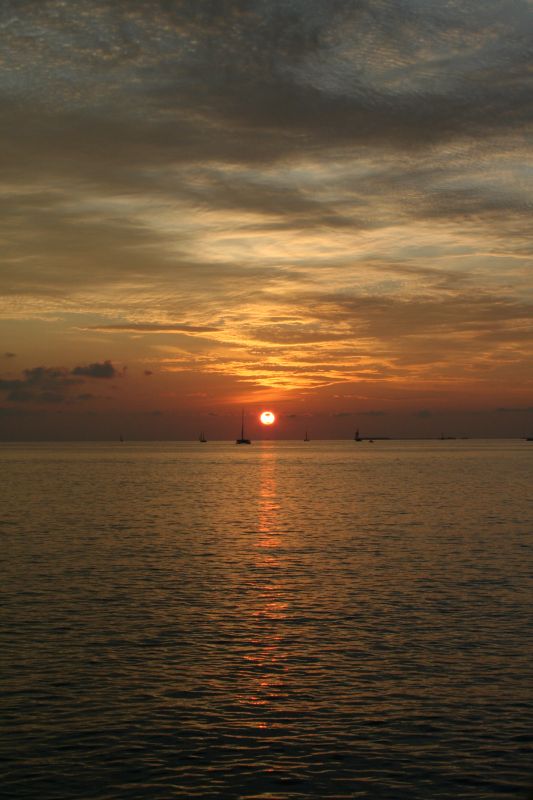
(121, 438)
(202, 438)
(242, 440)
(356, 437)
(306, 437)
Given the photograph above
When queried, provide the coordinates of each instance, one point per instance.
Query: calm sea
(283, 621)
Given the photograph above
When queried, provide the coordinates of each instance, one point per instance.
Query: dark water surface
(286, 620)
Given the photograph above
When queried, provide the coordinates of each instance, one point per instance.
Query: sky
(319, 207)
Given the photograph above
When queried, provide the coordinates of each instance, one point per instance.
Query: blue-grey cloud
(39, 385)
(53, 384)
(407, 72)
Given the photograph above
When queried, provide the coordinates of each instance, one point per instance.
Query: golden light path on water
(264, 669)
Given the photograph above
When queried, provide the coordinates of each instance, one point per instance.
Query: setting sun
(267, 418)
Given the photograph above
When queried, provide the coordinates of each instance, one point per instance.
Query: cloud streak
(153, 328)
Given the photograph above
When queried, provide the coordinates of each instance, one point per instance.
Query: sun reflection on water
(265, 668)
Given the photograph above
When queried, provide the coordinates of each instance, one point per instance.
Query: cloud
(39, 385)
(53, 384)
(375, 72)
(318, 193)
(14, 411)
(526, 410)
(148, 372)
(10, 355)
(97, 370)
(153, 328)
(86, 396)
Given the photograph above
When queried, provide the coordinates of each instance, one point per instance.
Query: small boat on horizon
(242, 440)
(356, 437)
(306, 437)
(202, 438)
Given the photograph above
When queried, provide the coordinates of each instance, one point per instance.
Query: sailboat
(202, 438)
(306, 438)
(356, 437)
(242, 440)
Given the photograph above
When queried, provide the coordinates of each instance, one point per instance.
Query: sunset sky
(321, 208)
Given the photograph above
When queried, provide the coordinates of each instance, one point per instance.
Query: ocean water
(277, 622)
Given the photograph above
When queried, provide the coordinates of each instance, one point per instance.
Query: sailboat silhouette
(242, 440)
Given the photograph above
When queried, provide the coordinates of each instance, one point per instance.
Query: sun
(267, 417)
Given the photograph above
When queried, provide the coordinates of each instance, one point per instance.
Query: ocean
(282, 621)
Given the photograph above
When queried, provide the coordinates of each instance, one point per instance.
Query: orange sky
(321, 210)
